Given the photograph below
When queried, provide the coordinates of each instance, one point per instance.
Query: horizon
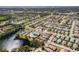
(37, 6)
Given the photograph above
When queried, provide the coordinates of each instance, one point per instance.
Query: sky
(39, 3)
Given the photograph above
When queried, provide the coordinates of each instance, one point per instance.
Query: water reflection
(11, 43)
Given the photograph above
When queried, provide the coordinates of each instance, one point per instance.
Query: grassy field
(4, 17)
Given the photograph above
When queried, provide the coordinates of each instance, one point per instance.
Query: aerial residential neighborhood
(43, 29)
